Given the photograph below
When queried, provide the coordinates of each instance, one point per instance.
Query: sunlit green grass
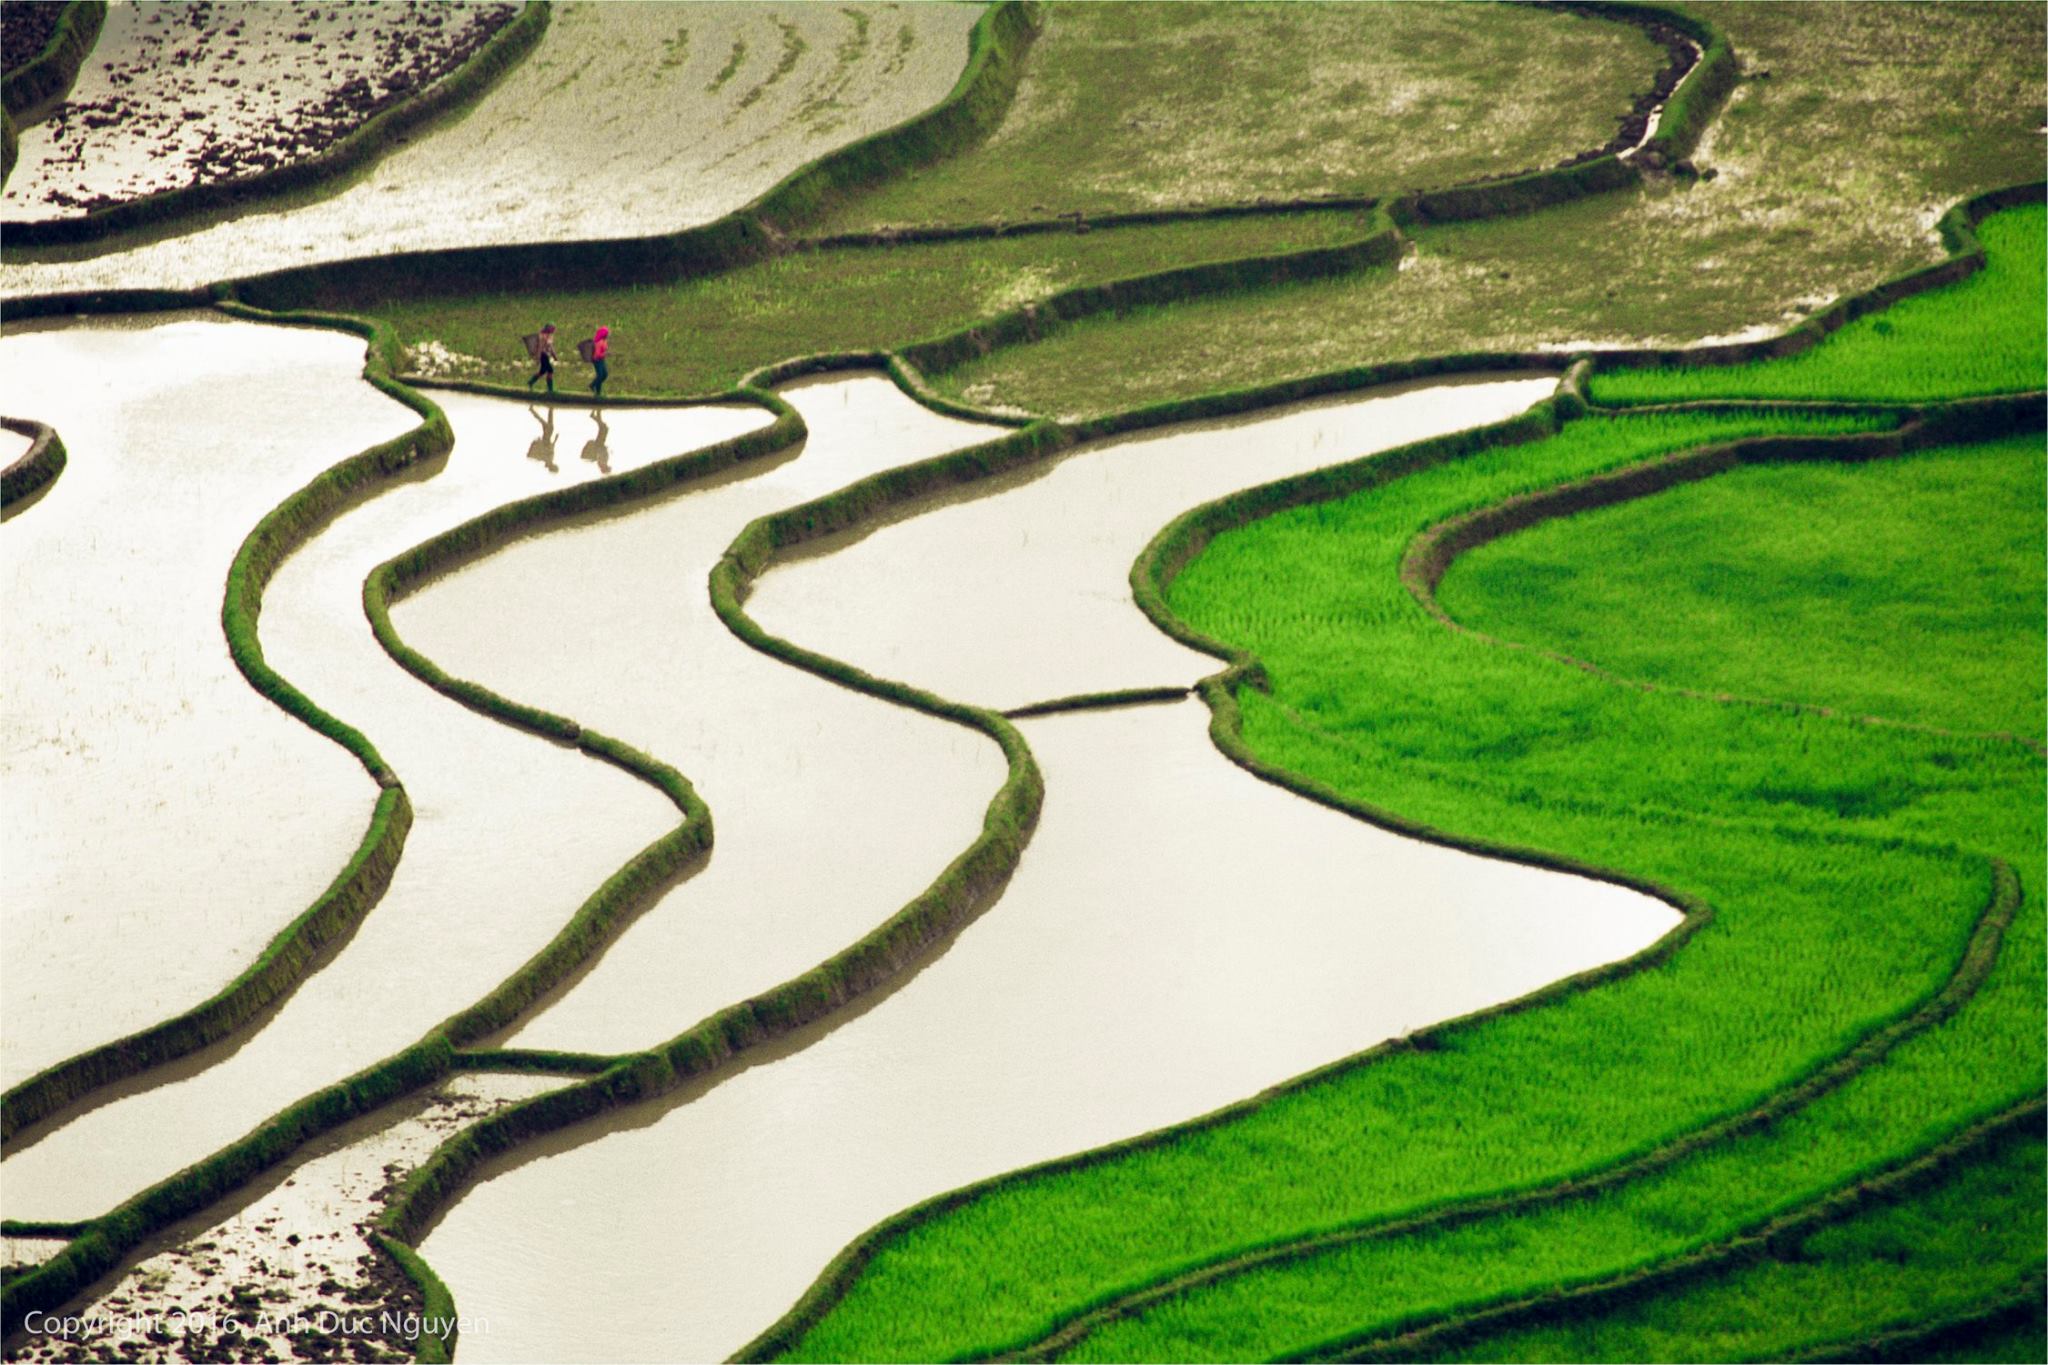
(702, 335)
(1984, 335)
(1791, 827)
(1983, 1057)
(1897, 1265)
(1944, 551)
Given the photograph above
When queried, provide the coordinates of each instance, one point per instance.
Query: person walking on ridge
(541, 347)
(600, 346)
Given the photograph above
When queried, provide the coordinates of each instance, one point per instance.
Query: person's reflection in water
(543, 447)
(595, 450)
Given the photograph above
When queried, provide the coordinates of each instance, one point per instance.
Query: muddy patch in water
(195, 93)
(290, 1274)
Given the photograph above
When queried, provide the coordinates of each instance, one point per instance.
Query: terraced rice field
(1394, 713)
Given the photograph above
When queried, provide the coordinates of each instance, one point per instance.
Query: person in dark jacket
(542, 348)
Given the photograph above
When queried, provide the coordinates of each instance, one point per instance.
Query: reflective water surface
(162, 821)
(511, 832)
(1178, 936)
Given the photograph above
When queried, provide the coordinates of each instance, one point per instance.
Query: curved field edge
(1330, 1280)
(297, 948)
(1982, 337)
(1238, 402)
(1965, 257)
(1481, 1333)
(1531, 1328)
(1967, 416)
(30, 91)
(29, 477)
(1431, 555)
(840, 1276)
(98, 1244)
(1420, 567)
(1178, 544)
(962, 890)
(173, 211)
(2010, 1328)
(1970, 971)
(1566, 589)
(2027, 412)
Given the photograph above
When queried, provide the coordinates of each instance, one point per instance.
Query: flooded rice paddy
(832, 809)
(510, 834)
(588, 138)
(1178, 935)
(163, 820)
(1035, 602)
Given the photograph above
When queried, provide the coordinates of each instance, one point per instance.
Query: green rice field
(1738, 565)
(1762, 641)
(1980, 336)
(1796, 583)
(1787, 826)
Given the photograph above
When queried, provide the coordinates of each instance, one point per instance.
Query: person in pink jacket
(600, 346)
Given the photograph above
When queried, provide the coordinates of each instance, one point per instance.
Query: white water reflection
(1035, 599)
(162, 821)
(1178, 936)
(831, 809)
(511, 832)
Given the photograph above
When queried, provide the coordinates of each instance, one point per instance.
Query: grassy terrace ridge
(1880, 843)
(1912, 1260)
(702, 335)
(1983, 335)
(1459, 736)
(1771, 762)
(1125, 108)
(1829, 173)
(2013, 1336)
(1790, 826)
(1734, 579)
